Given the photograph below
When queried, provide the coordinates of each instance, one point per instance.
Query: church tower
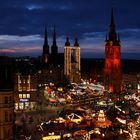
(45, 54)
(77, 63)
(67, 58)
(72, 61)
(54, 48)
(112, 69)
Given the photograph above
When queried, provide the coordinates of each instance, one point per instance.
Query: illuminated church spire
(54, 48)
(112, 70)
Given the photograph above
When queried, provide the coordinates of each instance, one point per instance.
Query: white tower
(67, 58)
(72, 61)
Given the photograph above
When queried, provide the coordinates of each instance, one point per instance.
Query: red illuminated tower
(112, 70)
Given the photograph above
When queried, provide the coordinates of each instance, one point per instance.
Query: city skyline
(23, 22)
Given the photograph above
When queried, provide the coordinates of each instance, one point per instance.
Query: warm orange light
(111, 88)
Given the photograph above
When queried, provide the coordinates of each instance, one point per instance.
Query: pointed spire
(46, 45)
(54, 37)
(54, 48)
(112, 30)
(112, 18)
(67, 42)
(46, 36)
(76, 42)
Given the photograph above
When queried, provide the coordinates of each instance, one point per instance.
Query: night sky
(22, 25)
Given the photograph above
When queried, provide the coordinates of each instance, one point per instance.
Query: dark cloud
(86, 19)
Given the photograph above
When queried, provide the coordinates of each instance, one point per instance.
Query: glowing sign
(24, 100)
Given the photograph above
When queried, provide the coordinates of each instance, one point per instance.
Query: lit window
(26, 105)
(20, 95)
(138, 86)
(21, 106)
(28, 95)
(16, 106)
(24, 95)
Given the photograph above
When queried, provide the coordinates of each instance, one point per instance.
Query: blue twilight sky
(22, 25)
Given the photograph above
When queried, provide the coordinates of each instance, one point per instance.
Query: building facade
(25, 90)
(112, 69)
(72, 61)
(6, 115)
(6, 99)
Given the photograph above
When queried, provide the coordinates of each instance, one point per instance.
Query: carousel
(102, 121)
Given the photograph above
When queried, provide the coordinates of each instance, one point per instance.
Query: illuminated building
(6, 100)
(72, 61)
(25, 91)
(112, 69)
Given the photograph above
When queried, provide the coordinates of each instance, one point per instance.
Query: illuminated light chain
(135, 133)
